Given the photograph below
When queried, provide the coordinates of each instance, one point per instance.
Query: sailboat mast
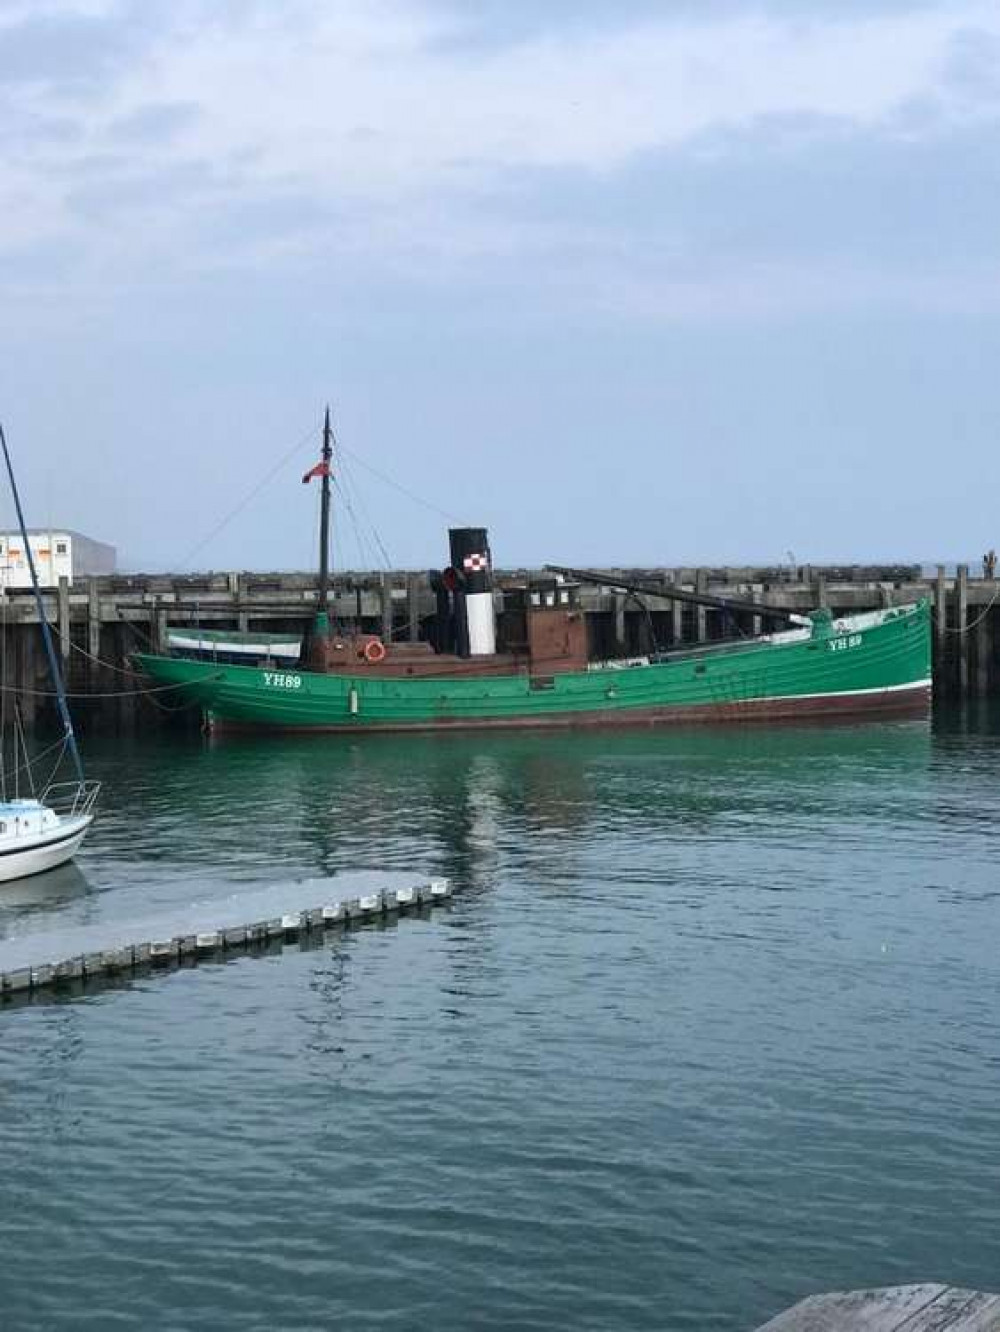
(322, 606)
(50, 650)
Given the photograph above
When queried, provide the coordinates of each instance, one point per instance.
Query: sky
(694, 281)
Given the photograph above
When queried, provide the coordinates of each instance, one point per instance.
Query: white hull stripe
(246, 649)
(844, 693)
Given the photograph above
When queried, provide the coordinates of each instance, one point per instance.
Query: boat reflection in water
(24, 900)
(394, 801)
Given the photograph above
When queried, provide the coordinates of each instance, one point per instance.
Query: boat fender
(374, 650)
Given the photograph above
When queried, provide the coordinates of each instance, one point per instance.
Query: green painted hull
(870, 663)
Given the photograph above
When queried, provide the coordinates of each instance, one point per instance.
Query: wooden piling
(940, 620)
(984, 652)
(93, 620)
(386, 595)
(8, 646)
(241, 598)
(701, 612)
(413, 606)
(620, 639)
(962, 626)
(160, 626)
(63, 614)
(28, 657)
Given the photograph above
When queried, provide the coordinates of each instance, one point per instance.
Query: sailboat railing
(71, 799)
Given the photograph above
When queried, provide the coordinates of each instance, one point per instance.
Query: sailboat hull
(35, 855)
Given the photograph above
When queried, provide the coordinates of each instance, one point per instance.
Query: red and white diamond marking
(475, 563)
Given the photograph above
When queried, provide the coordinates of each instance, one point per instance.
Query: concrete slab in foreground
(926, 1308)
(72, 959)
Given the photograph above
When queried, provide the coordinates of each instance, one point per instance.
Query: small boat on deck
(37, 833)
(238, 648)
(520, 657)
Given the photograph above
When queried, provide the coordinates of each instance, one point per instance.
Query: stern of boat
(71, 800)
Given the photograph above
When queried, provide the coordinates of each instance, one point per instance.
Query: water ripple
(712, 1025)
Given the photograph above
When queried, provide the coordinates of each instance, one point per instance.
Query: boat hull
(869, 665)
(44, 852)
(911, 702)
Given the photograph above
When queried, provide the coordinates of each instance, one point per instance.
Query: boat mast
(323, 599)
(50, 651)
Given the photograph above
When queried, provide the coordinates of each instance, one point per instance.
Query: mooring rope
(969, 627)
(143, 692)
(118, 693)
(108, 665)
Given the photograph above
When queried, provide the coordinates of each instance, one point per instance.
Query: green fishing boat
(520, 657)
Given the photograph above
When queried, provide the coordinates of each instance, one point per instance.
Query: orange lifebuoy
(374, 650)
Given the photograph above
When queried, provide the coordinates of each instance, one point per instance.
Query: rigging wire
(359, 500)
(59, 744)
(349, 492)
(364, 550)
(339, 483)
(346, 490)
(20, 736)
(247, 499)
(396, 485)
(30, 761)
(339, 553)
(56, 766)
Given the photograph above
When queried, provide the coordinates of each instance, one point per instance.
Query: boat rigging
(521, 655)
(36, 834)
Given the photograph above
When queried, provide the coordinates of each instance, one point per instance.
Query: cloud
(154, 122)
(295, 85)
(198, 134)
(17, 13)
(58, 44)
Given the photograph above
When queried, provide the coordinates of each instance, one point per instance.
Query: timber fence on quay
(101, 621)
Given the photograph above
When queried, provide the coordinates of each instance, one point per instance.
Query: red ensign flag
(321, 469)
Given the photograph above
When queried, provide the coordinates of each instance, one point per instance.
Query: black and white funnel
(470, 557)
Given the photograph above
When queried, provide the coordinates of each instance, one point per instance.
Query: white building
(57, 552)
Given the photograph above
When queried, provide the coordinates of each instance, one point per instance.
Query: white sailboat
(39, 832)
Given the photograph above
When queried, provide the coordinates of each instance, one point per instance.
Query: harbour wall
(99, 622)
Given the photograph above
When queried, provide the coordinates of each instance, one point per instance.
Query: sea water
(712, 1023)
